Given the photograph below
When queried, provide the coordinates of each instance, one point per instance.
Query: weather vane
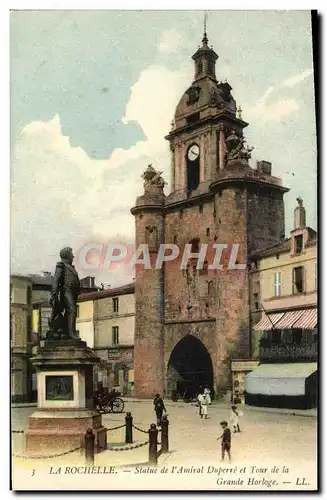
(205, 37)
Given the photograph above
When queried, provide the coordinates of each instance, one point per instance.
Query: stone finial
(299, 215)
(239, 113)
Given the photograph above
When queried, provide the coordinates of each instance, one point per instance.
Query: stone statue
(65, 290)
(236, 149)
(152, 180)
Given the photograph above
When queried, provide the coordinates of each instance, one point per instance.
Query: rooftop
(108, 292)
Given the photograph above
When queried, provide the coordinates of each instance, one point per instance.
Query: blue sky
(93, 94)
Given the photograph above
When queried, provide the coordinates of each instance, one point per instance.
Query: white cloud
(280, 109)
(272, 111)
(294, 80)
(61, 196)
(283, 106)
(171, 40)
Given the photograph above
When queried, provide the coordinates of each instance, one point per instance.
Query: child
(159, 408)
(200, 399)
(208, 394)
(234, 418)
(226, 440)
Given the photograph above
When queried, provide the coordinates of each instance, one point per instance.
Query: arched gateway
(189, 366)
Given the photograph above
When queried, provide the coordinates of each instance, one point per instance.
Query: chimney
(299, 215)
(264, 167)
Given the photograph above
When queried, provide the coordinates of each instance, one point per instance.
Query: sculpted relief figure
(153, 182)
(236, 149)
(65, 290)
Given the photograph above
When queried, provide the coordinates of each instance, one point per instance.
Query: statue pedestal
(65, 399)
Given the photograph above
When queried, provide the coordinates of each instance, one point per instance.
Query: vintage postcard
(163, 282)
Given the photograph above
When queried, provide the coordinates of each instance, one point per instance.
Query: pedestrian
(226, 438)
(207, 393)
(200, 401)
(234, 418)
(159, 407)
(203, 400)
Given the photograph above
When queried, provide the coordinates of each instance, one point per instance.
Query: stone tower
(191, 322)
(149, 318)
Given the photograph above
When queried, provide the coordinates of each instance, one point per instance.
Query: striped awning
(267, 321)
(308, 320)
(289, 319)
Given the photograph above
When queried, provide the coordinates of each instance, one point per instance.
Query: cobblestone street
(267, 438)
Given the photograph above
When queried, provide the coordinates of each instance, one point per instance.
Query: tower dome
(206, 95)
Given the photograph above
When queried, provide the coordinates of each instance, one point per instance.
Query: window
(277, 284)
(315, 335)
(28, 295)
(298, 279)
(115, 303)
(256, 301)
(297, 336)
(115, 335)
(287, 336)
(199, 68)
(77, 311)
(299, 243)
(276, 336)
(208, 231)
(211, 67)
(195, 245)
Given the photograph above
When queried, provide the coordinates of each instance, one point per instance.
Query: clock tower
(191, 322)
(205, 116)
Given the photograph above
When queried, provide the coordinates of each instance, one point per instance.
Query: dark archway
(189, 366)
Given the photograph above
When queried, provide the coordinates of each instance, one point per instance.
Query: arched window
(193, 174)
(199, 68)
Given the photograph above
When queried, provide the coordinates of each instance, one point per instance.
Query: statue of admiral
(65, 290)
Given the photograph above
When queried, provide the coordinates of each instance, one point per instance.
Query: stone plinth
(65, 399)
(63, 430)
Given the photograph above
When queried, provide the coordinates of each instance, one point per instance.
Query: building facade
(191, 323)
(30, 312)
(21, 338)
(106, 321)
(284, 317)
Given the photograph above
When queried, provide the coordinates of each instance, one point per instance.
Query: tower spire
(205, 36)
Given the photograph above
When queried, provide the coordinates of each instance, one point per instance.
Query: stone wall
(149, 292)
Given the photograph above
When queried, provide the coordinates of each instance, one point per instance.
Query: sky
(92, 97)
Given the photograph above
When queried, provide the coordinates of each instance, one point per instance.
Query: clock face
(193, 152)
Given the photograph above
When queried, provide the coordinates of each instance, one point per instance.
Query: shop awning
(308, 320)
(267, 321)
(289, 319)
(287, 379)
